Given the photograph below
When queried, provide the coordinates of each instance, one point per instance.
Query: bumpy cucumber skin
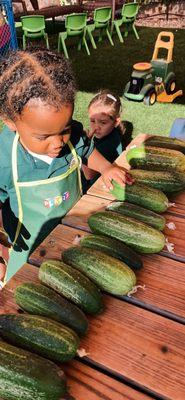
(142, 214)
(26, 376)
(71, 284)
(41, 335)
(142, 195)
(114, 248)
(40, 300)
(107, 272)
(166, 181)
(166, 142)
(142, 237)
(156, 159)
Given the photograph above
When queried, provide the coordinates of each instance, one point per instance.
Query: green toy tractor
(154, 81)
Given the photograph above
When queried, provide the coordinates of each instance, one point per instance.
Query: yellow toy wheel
(170, 86)
(150, 98)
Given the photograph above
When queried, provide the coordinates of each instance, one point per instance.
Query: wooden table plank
(87, 383)
(179, 201)
(134, 344)
(163, 278)
(141, 346)
(87, 205)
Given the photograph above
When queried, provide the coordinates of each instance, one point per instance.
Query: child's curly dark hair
(37, 73)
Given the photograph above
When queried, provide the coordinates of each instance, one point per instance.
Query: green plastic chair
(75, 25)
(128, 13)
(33, 27)
(102, 17)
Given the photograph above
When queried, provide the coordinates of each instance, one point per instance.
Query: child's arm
(138, 140)
(108, 171)
(4, 246)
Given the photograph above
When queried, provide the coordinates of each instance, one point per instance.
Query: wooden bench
(48, 12)
(56, 11)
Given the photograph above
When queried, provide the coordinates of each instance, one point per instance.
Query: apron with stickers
(41, 204)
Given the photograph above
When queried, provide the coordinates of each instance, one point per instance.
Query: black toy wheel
(170, 86)
(150, 98)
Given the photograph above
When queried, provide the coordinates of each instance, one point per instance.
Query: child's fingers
(119, 179)
(121, 176)
(129, 179)
(2, 269)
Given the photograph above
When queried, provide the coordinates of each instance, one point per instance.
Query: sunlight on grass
(156, 119)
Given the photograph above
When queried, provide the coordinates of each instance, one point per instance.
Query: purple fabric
(4, 35)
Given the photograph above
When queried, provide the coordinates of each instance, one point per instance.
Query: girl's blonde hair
(111, 101)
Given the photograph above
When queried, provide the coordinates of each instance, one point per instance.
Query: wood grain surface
(86, 383)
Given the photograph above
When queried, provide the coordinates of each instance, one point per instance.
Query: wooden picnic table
(136, 347)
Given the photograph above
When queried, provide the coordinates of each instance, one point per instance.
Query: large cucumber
(26, 376)
(142, 214)
(166, 142)
(39, 334)
(38, 299)
(71, 284)
(141, 237)
(156, 159)
(166, 181)
(107, 272)
(143, 195)
(113, 247)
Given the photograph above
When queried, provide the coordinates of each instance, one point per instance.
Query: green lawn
(111, 67)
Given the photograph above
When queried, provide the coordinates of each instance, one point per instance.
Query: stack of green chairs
(102, 18)
(128, 17)
(33, 27)
(75, 25)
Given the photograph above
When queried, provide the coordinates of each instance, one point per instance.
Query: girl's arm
(4, 247)
(138, 140)
(108, 171)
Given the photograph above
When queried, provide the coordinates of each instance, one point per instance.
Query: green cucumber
(39, 334)
(113, 247)
(26, 376)
(166, 142)
(156, 159)
(142, 195)
(71, 284)
(141, 237)
(166, 181)
(38, 299)
(107, 272)
(142, 214)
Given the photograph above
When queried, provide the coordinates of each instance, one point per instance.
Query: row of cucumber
(160, 163)
(161, 173)
(50, 331)
(105, 260)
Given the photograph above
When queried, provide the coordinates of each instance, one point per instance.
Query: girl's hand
(2, 272)
(89, 133)
(120, 175)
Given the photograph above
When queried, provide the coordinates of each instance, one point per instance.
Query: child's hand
(89, 133)
(120, 175)
(2, 271)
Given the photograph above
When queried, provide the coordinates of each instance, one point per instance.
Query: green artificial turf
(111, 66)
(156, 119)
